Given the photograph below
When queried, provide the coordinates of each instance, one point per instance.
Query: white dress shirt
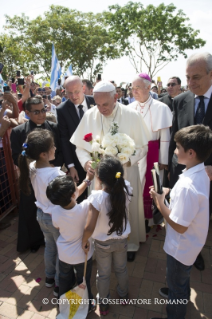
(85, 108)
(190, 208)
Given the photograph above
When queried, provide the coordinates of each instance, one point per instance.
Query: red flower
(88, 137)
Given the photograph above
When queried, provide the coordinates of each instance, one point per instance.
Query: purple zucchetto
(145, 76)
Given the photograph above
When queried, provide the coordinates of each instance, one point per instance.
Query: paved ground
(21, 295)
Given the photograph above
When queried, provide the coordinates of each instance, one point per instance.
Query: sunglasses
(171, 84)
(37, 112)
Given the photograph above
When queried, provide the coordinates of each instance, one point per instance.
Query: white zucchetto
(104, 86)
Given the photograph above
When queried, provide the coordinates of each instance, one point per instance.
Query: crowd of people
(76, 209)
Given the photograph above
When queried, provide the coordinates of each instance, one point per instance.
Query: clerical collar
(146, 102)
(33, 124)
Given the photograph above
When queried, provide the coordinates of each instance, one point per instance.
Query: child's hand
(86, 246)
(90, 174)
(158, 198)
(166, 190)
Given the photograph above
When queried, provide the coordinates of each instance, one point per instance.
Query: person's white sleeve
(164, 145)
(140, 153)
(83, 156)
(95, 199)
(185, 207)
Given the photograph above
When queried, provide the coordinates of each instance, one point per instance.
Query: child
(70, 218)
(108, 224)
(188, 215)
(39, 147)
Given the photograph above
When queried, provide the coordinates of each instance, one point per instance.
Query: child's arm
(165, 211)
(82, 187)
(89, 227)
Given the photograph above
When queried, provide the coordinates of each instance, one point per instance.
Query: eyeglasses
(37, 112)
(171, 84)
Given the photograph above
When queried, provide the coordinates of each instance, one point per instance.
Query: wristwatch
(87, 181)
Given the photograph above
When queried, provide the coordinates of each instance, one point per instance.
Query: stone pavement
(22, 279)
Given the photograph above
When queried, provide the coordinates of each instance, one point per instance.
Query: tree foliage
(80, 39)
(152, 36)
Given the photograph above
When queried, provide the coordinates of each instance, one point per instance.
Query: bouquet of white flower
(118, 144)
(113, 143)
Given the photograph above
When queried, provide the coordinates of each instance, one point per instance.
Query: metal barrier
(9, 193)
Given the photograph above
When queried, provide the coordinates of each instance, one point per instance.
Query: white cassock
(132, 124)
(158, 119)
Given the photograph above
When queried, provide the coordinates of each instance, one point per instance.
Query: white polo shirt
(190, 208)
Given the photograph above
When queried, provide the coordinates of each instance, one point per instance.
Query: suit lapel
(88, 102)
(208, 115)
(189, 106)
(72, 111)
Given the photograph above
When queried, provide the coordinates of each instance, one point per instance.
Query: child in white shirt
(108, 224)
(39, 146)
(188, 215)
(70, 218)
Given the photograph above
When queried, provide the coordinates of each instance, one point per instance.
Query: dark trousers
(5, 197)
(67, 277)
(178, 280)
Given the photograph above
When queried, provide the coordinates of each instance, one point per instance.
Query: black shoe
(146, 226)
(164, 292)
(157, 318)
(34, 248)
(130, 255)
(56, 291)
(49, 282)
(199, 263)
(92, 306)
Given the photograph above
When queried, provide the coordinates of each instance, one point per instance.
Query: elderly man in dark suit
(69, 115)
(173, 89)
(193, 107)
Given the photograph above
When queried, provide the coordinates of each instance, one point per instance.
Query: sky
(121, 70)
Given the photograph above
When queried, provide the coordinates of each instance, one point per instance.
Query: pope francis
(98, 121)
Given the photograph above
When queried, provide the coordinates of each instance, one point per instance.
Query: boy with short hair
(70, 218)
(187, 216)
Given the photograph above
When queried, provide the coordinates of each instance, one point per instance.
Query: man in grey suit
(190, 108)
(193, 107)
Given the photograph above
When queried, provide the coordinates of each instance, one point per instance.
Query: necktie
(200, 113)
(81, 112)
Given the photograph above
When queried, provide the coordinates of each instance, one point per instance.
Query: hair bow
(25, 145)
(118, 175)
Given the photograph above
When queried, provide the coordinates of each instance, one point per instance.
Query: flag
(55, 70)
(67, 73)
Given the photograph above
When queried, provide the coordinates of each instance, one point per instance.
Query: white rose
(124, 158)
(111, 150)
(98, 138)
(109, 140)
(95, 147)
(127, 150)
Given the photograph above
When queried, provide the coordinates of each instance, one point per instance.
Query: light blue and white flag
(55, 70)
(67, 73)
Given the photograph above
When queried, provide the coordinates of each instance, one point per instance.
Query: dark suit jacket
(19, 134)
(183, 116)
(166, 99)
(68, 120)
(123, 101)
